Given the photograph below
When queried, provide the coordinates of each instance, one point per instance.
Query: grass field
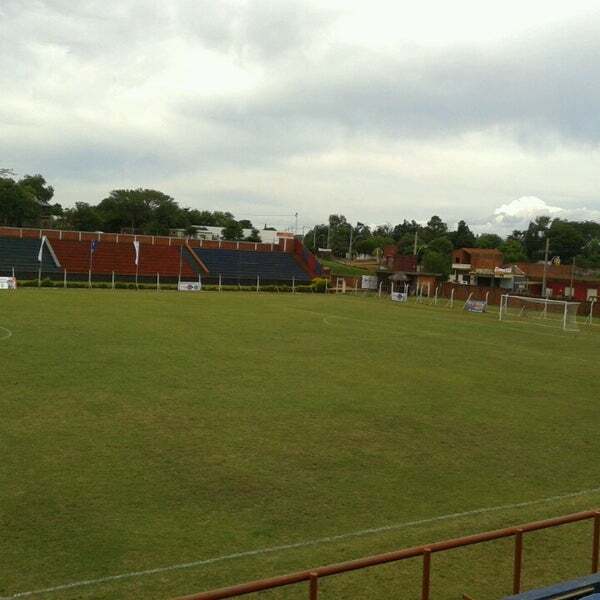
(144, 430)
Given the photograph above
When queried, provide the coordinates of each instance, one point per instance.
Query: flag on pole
(41, 252)
(136, 246)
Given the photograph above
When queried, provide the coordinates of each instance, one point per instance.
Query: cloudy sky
(477, 110)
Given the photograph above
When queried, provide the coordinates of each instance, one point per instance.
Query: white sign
(476, 306)
(189, 286)
(399, 297)
(369, 282)
(8, 283)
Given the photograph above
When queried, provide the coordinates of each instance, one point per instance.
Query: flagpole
(90, 267)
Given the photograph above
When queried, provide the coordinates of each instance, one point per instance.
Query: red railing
(313, 576)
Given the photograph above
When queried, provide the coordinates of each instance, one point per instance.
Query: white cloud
(525, 209)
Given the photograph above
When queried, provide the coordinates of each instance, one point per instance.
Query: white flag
(136, 246)
(41, 252)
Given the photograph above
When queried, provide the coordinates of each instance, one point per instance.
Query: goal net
(556, 313)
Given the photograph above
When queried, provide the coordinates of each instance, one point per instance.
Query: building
(393, 261)
(485, 267)
(211, 233)
(562, 281)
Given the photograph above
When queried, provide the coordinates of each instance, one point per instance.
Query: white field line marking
(8, 333)
(305, 544)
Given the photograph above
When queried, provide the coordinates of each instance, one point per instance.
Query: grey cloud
(541, 91)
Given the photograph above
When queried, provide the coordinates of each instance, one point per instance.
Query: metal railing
(313, 576)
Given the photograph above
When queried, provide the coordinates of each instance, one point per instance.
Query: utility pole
(545, 266)
(296, 224)
(572, 279)
(350, 246)
(415, 244)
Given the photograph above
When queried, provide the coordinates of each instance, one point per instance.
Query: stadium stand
(246, 266)
(120, 258)
(68, 254)
(584, 587)
(22, 256)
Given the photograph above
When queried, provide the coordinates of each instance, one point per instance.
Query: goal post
(559, 313)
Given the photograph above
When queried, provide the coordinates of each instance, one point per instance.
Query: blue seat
(246, 266)
(22, 256)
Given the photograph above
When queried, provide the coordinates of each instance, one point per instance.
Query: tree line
(434, 242)
(27, 202)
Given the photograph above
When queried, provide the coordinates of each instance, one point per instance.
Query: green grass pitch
(141, 431)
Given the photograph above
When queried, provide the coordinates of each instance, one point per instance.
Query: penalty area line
(304, 544)
(7, 333)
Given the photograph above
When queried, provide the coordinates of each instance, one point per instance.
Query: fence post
(313, 592)
(65, 279)
(158, 282)
(596, 543)
(426, 582)
(39, 276)
(293, 285)
(113, 280)
(220, 280)
(89, 278)
(258, 283)
(518, 561)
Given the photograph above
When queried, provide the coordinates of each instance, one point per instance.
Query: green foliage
(233, 232)
(513, 251)
(435, 228)
(254, 236)
(488, 240)
(566, 241)
(442, 245)
(463, 237)
(436, 262)
(25, 202)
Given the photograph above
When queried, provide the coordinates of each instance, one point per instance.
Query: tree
(406, 228)
(590, 256)
(488, 240)
(245, 224)
(442, 245)
(435, 262)
(533, 238)
(565, 240)
(435, 228)
(463, 237)
(83, 217)
(18, 204)
(254, 236)
(39, 188)
(513, 251)
(406, 244)
(233, 232)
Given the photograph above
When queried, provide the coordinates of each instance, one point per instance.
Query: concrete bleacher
(245, 266)
(119, 258)
(22, 256)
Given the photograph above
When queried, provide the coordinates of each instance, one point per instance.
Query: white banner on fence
(369, 282)
(189, 286)
(399, 297)
(477, 306)
(8, 283)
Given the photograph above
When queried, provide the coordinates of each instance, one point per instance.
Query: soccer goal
(558, 313)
